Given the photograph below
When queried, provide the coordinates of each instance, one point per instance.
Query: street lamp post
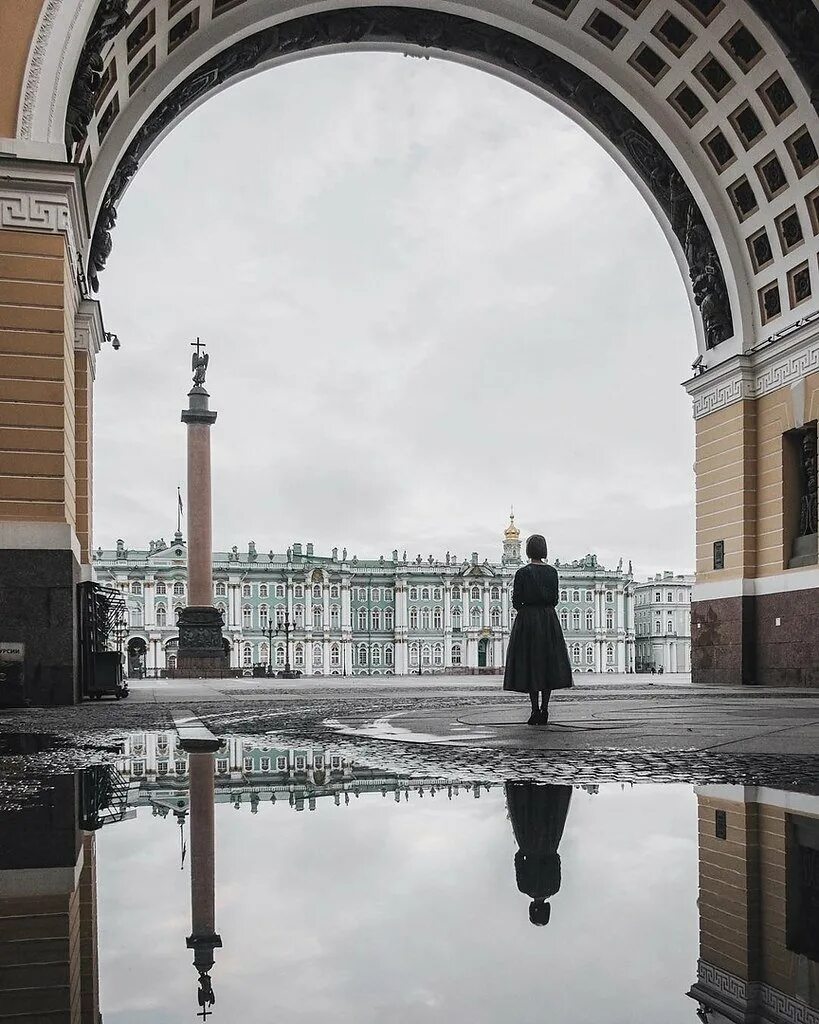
(269, 632)
(286, 627)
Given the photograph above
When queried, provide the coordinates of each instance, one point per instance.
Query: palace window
(136, 616)
(436, 594)
(576, 653)
(222, 766)
(589, 655)
(279, 590)
(456, 618)
(456, 654)
(564, 620)
(575, 619)
(298, 615)
(589, 620)
(669, 597)
(426, 655)
(362, 594)
(247, 590)
(362, 654)
(388, 619)
(413, 618)
(610, 653)
(265, 764)
(125, 587)
(575, 595)
(609, 620)
(475, 616)
(413, 654)
(658, 626)
(299, 656)
(262, 590)
(335, 654)
(362, 618)
(317, 591)
(669, 628)
(298, 590)
(376, 656)
(438, 654)
(495, 617)
(425, 618)
(263, 654)
(413, 594)
(376, 619)
(317, 616)
(317, 656)
(136, 587)
(495, 594)
(456, 593)
(334, 591)
(609, 596)
(281, 764)
(162, 768)
(279, 614)
(263, 616)
(247, 655)
(388, 595)
(247, 617)
(279, 654)
(221, 590)
(476, 593)
(425, 593)
(564, 595)
(437, 618)
(376, 594)
(589, 597)
(178, 589)
(388, 657)
(161, 615)
(160, 587)
(335, 616)
(657, 596)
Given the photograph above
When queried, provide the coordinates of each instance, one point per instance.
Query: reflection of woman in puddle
(538, 815)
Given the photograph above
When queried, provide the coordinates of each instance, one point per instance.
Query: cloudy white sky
(426, 296)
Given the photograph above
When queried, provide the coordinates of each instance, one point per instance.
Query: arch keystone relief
(451, 34)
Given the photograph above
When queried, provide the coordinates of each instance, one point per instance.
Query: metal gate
(102, 625)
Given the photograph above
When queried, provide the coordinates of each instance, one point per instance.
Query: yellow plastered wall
(18, 22)
(83, 398)
(37, 379)
(726, 490)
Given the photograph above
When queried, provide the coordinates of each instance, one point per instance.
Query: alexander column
(201, 651)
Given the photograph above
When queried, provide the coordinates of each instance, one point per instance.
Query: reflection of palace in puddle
(758, 906)
(249, 775)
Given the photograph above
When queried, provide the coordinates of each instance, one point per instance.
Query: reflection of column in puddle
(48, 911)
(203, 939)
(758, 905)
(538, 816)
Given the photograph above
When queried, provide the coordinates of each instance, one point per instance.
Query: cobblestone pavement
(637, 733)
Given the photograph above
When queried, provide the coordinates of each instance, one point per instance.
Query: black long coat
(536, 658)
(538, 815)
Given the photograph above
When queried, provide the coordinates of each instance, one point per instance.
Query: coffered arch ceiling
(710, 106)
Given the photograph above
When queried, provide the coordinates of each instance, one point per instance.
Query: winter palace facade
(385, 616)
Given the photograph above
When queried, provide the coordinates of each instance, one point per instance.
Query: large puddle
(257, 884)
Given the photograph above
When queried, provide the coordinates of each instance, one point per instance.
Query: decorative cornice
(89, 331)
(728, 992)
(755, 374)
(34, 71)
(45, 197)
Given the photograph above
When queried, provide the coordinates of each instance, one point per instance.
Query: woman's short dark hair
(536, 546)
(539, 913)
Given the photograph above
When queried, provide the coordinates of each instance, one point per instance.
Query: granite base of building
(766, 640)
(202, 652)
(38, 609)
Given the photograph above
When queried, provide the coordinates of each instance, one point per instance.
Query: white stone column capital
(37, 195)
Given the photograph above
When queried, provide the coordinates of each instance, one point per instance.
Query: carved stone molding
(450, 34)
(89, 331)
(35, 66)
(46, 197)
(765, 1002)
(758, 373)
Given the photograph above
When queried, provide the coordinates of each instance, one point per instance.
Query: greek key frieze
(34, 213)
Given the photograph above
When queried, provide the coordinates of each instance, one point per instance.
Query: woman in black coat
(537, 661)
(538, 815)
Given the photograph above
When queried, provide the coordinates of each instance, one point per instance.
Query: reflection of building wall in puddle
(759, 905)
(48, 912)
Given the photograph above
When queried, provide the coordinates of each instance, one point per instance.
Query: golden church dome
(511, 532)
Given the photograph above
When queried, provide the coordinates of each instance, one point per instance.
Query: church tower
(511, 542)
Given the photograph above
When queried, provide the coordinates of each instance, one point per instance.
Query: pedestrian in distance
(537, 661)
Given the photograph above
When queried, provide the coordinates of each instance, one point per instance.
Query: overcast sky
(426, 296)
